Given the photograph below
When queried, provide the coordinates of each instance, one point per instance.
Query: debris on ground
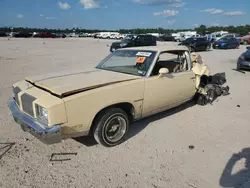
(212, 87)
(238, 106)
(191, 147)
(5, 148)
(239, 71)
(53, 156)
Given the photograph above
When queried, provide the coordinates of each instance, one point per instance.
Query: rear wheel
(245, 43)
(111, 127)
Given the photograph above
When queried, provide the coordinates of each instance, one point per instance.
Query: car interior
(174, 62)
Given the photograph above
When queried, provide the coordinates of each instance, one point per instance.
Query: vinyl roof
(168, 47)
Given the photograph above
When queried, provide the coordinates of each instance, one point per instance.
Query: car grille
(247, 59)
(27, 103)
(16, 90)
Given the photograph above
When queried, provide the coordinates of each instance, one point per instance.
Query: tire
(208, 47)
(245, 43)
(103, 127)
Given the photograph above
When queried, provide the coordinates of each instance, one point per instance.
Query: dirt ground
(188, 147)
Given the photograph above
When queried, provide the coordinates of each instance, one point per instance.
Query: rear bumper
(48, 135)
(113, 48)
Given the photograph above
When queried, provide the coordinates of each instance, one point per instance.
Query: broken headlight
(42, 114)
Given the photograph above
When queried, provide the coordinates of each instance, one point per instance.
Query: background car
(23, 35)
(166, 37)
(3, 34)
(244, 60)
(47, 35)
(60, 35)
(245, 40)
(226, 43)
(133, 41)
(197, 44)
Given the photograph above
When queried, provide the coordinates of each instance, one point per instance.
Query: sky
(126, 14)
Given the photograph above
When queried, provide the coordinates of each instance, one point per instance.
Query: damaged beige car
(129, 84)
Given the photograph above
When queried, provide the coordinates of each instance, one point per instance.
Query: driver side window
(175, 63)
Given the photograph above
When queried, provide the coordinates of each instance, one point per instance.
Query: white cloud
(219, 11)
(50, 18)
(152, 2)
(171, 22)
(167, 13)
(90, 4)
(196, 25)
(19, 16)
(64, 6)
(213, 11)
(177, 5)
(41, 15)
(215, 24)
(235, 13)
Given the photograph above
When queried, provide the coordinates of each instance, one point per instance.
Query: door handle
(192, 78)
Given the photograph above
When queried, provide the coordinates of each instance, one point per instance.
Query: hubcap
(115, 129)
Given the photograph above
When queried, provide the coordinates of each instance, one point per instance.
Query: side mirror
(163, 71)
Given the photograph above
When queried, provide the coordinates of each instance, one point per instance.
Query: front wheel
(111, 127)
(208, 47)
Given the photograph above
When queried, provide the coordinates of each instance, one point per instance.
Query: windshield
(135, 62)
(129, 37)
(224, 39)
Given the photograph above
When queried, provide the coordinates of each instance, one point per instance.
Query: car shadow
(240, 179)
(138, 126)
(5, 148)
(86, 140)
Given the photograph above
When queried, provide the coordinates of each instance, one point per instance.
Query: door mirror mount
(162, 72)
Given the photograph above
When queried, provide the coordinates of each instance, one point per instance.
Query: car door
(165, 92)
(139, 41)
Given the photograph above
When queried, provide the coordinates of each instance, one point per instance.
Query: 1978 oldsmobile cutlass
(127, 85)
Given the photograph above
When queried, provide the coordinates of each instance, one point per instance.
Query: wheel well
(127, 107)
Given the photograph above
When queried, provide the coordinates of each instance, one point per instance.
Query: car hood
(67, 83)
(247, 54)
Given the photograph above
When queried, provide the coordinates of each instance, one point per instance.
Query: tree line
(202, 29)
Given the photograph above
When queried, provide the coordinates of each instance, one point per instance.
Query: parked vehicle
(133, 41)
(217, 35)
(83, 35)
(166, 37)
(22, 35)
(3, 34)
(245, 40)
(126, 86)
(197, 44)
(226, 43)
(244, 60)
(47, 35)
(60, 35)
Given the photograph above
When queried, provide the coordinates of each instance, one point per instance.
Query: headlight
(123, 44)
(42, 114)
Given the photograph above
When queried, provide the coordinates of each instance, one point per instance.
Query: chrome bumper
(49, 135)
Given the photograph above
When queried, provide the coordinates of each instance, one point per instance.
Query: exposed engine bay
(209, 87)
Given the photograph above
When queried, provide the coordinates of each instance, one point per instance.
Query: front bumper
(243, 64)
(48, 135)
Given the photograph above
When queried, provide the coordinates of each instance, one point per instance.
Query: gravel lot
(158, 153)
